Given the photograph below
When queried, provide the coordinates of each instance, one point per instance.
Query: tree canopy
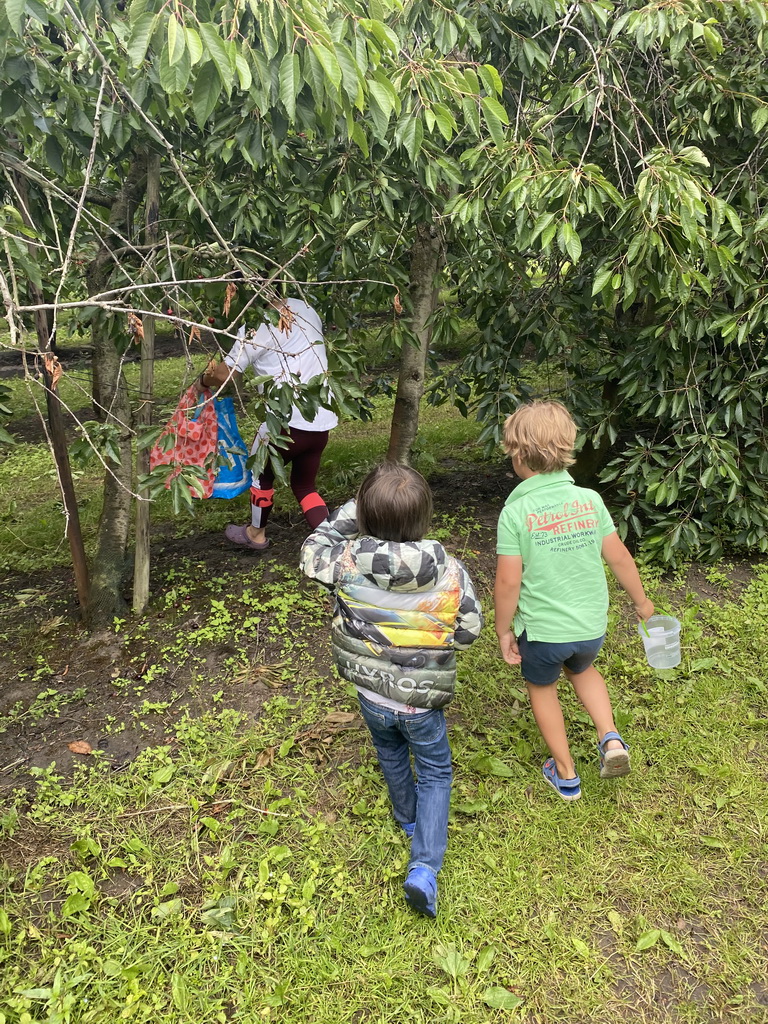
(592, 179)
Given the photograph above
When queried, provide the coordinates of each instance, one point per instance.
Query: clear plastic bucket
(661, 638)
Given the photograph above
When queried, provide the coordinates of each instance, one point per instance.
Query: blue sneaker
(408, 828)
(421, 891)
(568, 789)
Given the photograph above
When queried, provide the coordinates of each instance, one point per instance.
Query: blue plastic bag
(232, 477)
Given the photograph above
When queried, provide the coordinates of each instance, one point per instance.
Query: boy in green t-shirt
(551, 584)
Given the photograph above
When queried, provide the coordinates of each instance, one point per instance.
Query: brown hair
(541, 435)
(394, 503)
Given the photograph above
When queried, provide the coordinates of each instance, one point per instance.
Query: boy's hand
(644, 610)
(509, 649)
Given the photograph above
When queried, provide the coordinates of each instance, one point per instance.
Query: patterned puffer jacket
(402, 610)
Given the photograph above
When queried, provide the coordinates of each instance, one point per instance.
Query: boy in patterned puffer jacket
(403, 607)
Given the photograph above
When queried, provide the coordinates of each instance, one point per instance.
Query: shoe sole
(569, 799)
(615, 764)
(417, 900)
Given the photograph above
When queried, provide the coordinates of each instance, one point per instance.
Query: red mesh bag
(195, 441)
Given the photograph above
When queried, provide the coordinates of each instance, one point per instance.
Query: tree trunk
(426, 259)
(112, 406)
(43, 319)
(141, 560)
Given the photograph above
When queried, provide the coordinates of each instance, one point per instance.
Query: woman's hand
(201, 383)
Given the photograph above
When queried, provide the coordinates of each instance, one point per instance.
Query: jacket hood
(408, 567)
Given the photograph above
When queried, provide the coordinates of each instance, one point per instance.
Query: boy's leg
(549, 718)
(593, 693)
(428, 740)
(394, 759)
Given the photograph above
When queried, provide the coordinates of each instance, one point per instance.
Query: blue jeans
(396, 735)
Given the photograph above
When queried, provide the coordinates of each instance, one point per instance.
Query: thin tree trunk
(144, 414)
(112, 406)
(426, 259)
(56, 424)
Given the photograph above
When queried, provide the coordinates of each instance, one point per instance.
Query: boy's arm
(506, 593)
(623, 567)
(469, 620)
(321, 551)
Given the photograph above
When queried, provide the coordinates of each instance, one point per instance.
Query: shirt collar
(537, 482)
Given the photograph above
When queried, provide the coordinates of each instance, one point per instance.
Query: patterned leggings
(303, 454)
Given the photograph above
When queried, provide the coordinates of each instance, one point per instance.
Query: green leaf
(329, 63)
(471, 806)
(648, 939)
(713, 41)
(54, 154)
(445, 121)
(215, 48)
(471, 113)
(177, 42)
(569, 242)
(759, 118)
(14, 11)
(243, 72)
(671, 942)
(165, 910)
(485, 958)
(206, 92)
(358, 137)
(440, 995)
(486, 764)
(602, 277)
(194, 45)
(179, 992)
(174, 78)
(349, 72)
(383, 97)
(493, 105)
(495, 127)
(472, 81)
(138, 41)
(491, 79)
(357, 227)
(384, 34)
(501, 998)
(289, 83)
(412, 136)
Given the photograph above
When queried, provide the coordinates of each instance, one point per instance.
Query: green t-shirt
(558, 528)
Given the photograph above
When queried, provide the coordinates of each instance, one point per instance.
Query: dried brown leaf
(286, 319)
(231, 293)
(397, 304)
(266, 757)
(53, 368)
(135, 327)
(340, 718)
(80, 747)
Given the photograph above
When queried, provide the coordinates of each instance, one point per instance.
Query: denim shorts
(543, 661)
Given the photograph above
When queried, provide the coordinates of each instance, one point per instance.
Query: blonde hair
(541, 436)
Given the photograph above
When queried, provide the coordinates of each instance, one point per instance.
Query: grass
(248, 871)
